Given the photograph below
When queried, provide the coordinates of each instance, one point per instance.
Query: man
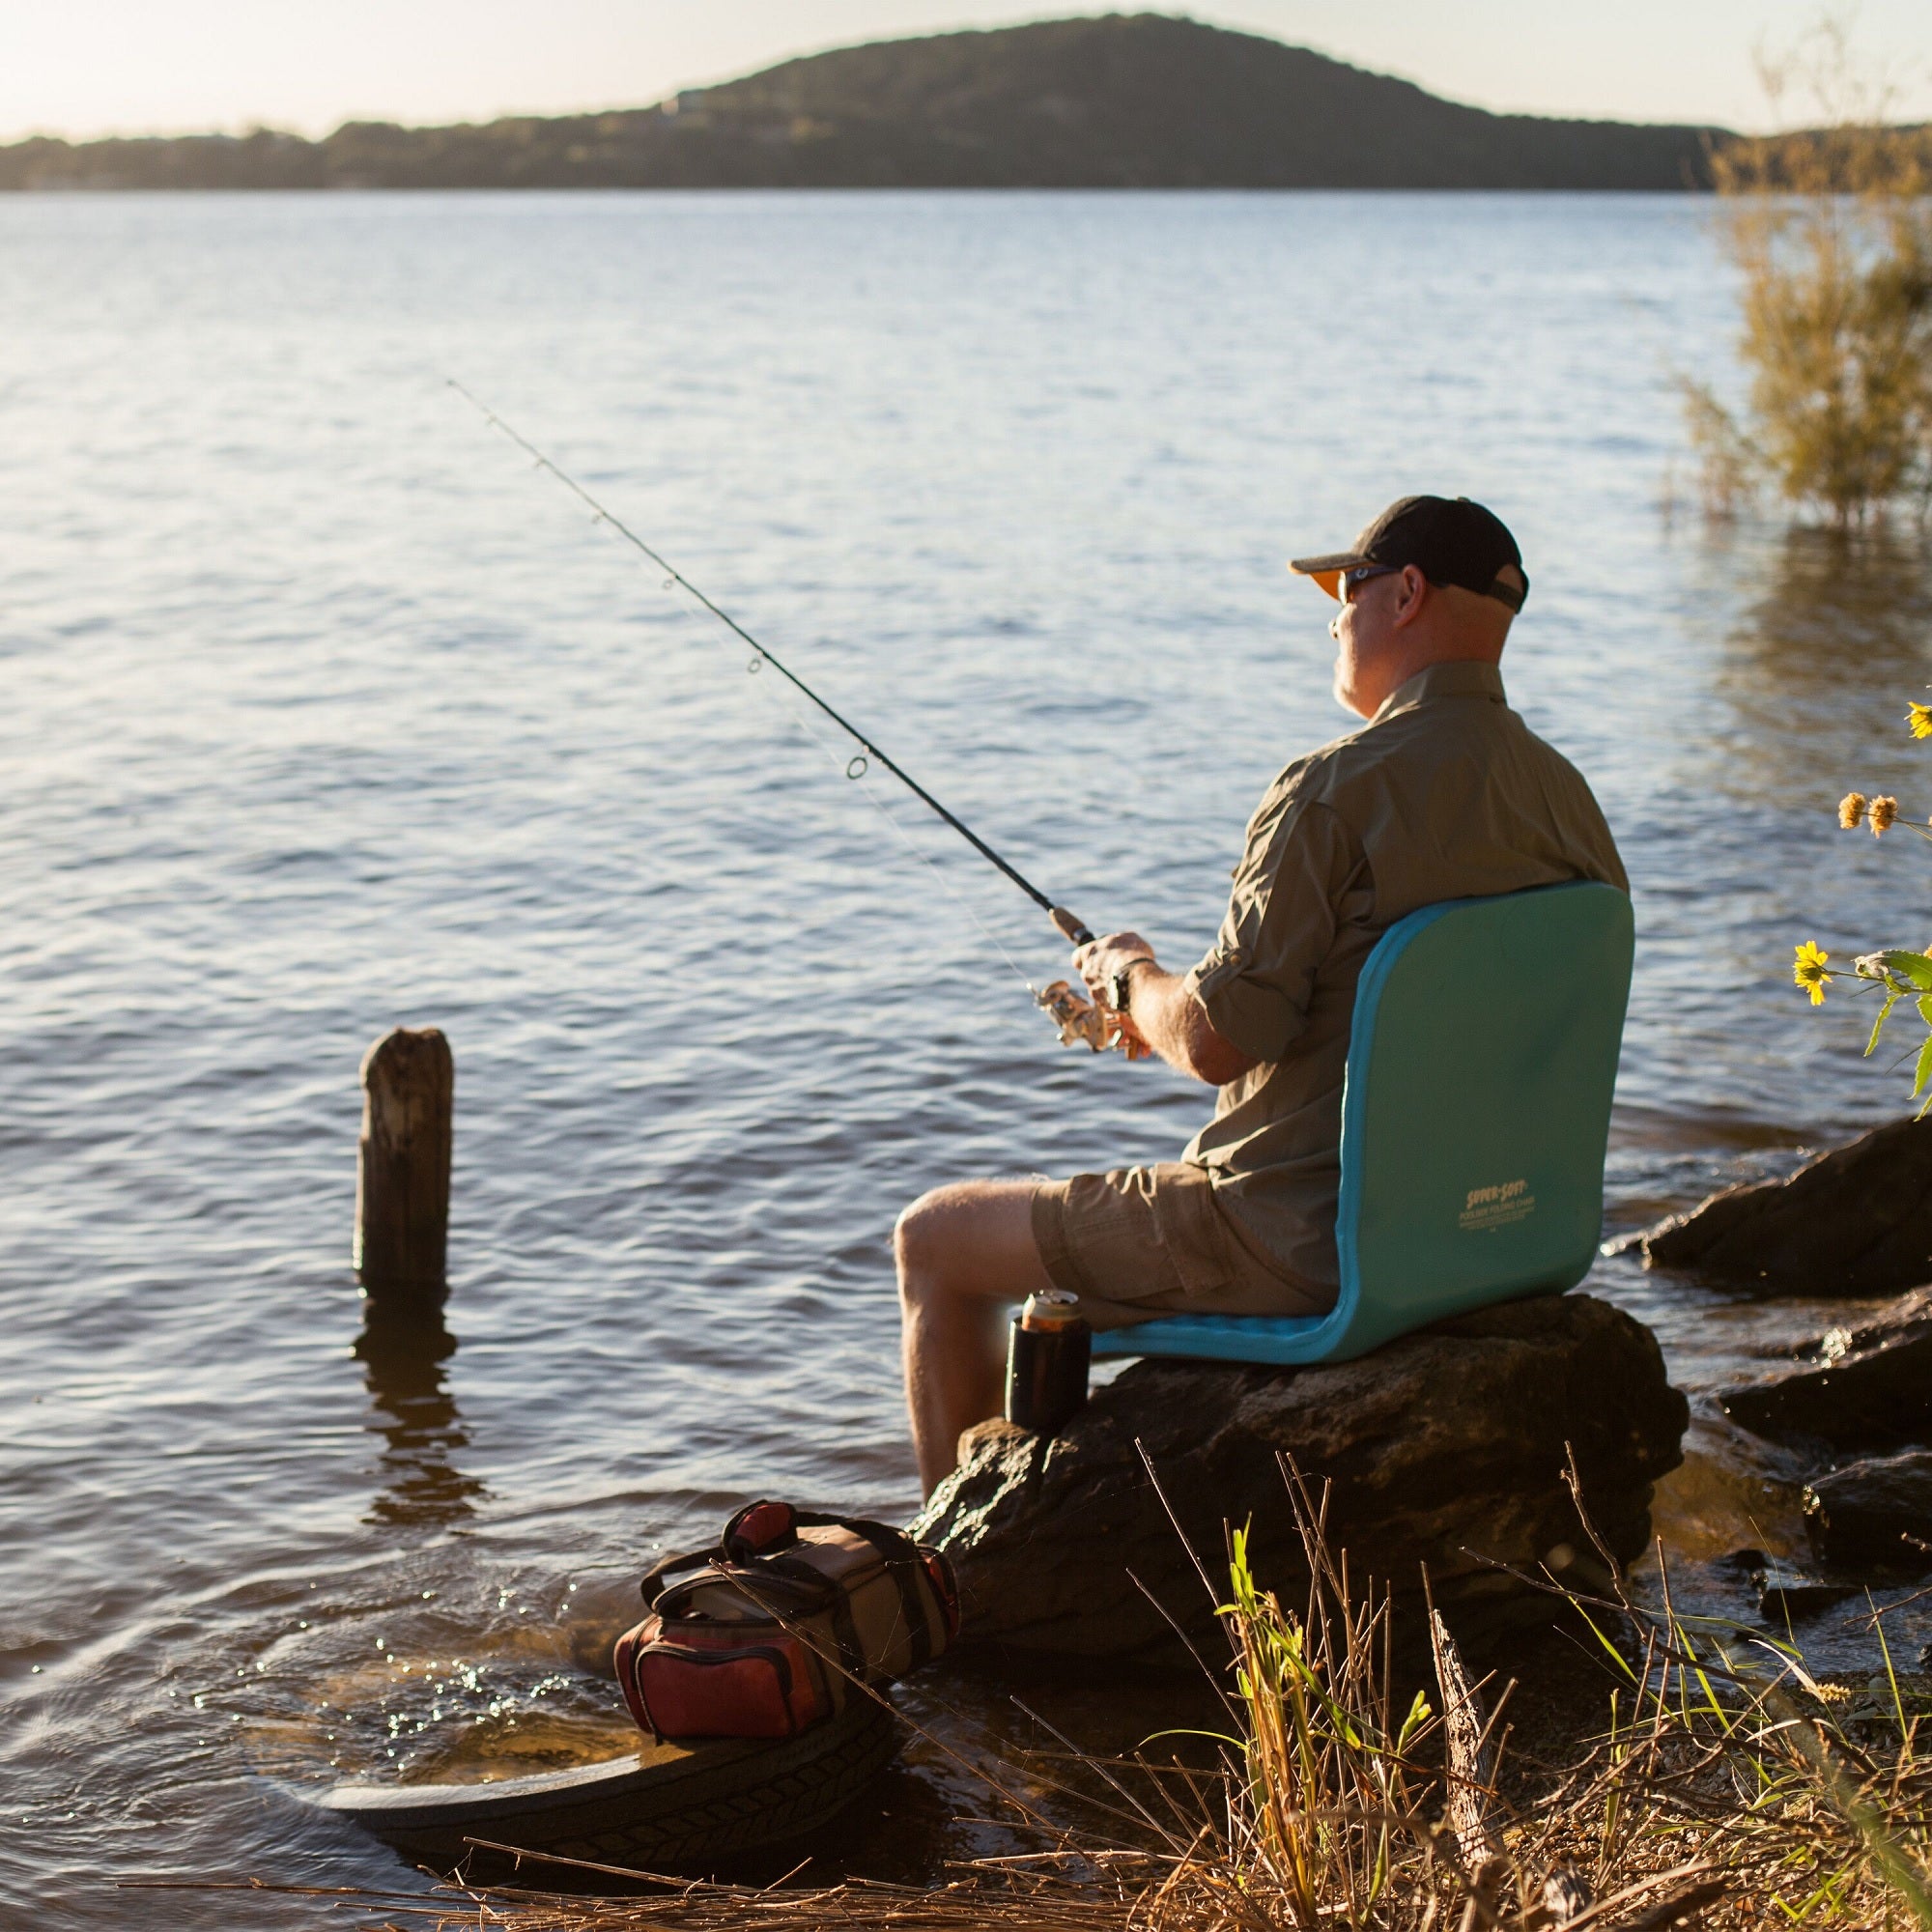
(1445, 794)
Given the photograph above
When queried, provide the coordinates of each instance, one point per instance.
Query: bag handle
(652, 1587)
(761, 1529)
(785, 1576)
(765, 1529)
(757, 1529)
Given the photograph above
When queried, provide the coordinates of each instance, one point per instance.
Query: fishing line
(1064, 922)
(804, 724)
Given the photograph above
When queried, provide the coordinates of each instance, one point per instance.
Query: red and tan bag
(776, 1624)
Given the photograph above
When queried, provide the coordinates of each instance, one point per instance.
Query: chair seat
(1277, 1338)
(1475, 1114)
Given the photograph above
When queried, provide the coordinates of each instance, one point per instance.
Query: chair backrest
(1476, 1113)
(1482, 1059)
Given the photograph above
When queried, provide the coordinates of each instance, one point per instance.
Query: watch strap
(1121, 986)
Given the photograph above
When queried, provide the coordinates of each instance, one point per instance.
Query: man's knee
(971, 1240)
(950, 1238)
(926, 1233)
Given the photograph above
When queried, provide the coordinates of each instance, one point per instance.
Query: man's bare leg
(964, 1253)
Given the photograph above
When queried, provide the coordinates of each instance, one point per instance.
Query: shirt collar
(1461, 679)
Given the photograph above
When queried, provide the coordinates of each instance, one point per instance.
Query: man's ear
(1412, 595)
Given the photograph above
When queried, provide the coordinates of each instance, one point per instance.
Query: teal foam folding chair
(1476, 1109)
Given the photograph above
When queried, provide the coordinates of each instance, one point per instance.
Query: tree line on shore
(1142, 100)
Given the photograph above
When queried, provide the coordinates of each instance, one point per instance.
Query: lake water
(323, 713)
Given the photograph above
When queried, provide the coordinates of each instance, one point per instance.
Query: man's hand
(1098, 961)
(1167, 1019)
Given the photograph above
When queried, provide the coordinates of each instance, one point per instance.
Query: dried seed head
(1883, 810)
(1850, 808)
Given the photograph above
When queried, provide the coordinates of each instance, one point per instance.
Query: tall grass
(1326, 1791)
(1729, 1788)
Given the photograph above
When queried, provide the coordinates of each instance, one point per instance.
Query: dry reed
(1731, 1789)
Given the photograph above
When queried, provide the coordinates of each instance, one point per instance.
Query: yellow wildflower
(1883, 812)
(1919, 718)
(1851, 809)
(1807, 970)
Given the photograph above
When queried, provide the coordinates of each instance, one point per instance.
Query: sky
(92, 67)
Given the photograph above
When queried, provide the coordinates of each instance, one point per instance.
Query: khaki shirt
(1445, 794)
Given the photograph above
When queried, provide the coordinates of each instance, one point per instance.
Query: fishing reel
(1084, 1023)
(1081, 1021)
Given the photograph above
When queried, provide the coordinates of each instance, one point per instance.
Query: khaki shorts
(1142, 1241)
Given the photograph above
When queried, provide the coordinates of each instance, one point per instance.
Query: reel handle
(1071, 928)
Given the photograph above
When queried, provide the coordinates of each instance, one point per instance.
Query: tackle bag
(773, 1627)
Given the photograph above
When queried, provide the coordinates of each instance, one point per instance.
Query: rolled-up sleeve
(1259, 975)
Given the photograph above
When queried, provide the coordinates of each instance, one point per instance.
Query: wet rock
(1874, 1515)
(1855, 1221)
(1444, 1448)
(1858, 1389)
(1783, 1592)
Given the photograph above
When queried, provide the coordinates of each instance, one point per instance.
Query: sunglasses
(1351, 581)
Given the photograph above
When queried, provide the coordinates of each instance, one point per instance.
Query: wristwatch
(1121, 986)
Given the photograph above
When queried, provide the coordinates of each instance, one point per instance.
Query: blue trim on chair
(1279, 1340)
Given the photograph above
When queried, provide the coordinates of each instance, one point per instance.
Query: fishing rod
(1078, 1019)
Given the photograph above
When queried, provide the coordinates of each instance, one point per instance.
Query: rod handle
(1071, 928)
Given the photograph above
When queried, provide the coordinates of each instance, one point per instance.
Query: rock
(1783, 1592)
(1874, 1515)
(1444, 1448)
(1860, 1389)
(1855, 1221)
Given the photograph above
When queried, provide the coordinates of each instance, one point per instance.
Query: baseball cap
(1450, 540)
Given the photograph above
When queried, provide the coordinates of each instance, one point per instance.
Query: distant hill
(1126, 101)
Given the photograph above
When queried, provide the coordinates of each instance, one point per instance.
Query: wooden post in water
(402, 1169)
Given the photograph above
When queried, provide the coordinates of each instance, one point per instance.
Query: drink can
(1048, 1353)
